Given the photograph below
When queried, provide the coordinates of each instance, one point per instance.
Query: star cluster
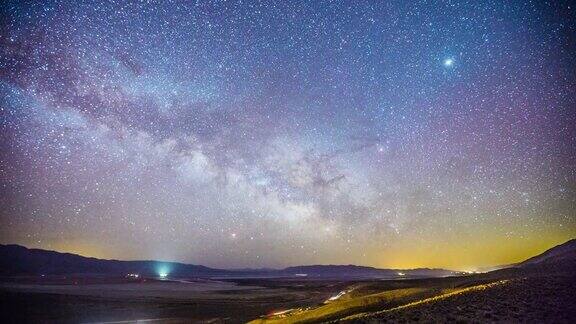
(275, 133)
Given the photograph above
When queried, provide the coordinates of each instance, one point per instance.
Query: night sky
(267, 134)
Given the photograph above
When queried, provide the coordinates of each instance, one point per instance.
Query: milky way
(267, 134)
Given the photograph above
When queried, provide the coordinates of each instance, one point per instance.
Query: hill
(354, 271)
(563, 253)
(19, 260)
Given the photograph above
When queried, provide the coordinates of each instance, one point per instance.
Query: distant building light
(401, 274)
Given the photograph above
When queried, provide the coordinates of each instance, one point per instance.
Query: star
(173, 125)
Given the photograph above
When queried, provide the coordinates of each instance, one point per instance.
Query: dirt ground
(534, 299)
(505, 296)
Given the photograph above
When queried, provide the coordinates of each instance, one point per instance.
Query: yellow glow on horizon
(469, 255)
(460, 252)
(76, 247)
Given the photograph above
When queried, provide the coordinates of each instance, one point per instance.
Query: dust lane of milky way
(267, 134)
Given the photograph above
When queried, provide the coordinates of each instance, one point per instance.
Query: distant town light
(163, 270)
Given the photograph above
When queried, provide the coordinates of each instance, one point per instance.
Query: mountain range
(19, 260)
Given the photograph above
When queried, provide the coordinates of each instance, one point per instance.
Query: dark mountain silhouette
(16, 259)
(561, 254)
(355, 271)
(19, 260)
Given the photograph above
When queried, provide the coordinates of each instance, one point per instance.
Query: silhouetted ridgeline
(355, 271)
(562, 253)
(19, 260)
(16, 259)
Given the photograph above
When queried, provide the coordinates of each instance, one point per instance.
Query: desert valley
(36, 287)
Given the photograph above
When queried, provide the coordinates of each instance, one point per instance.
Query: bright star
(448, 62)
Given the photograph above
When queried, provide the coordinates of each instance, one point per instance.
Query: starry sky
(268, 134)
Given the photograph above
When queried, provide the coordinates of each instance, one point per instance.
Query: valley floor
(546, 295)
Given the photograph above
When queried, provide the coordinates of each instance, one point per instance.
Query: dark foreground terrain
(505, 296)
(512, 295)
(542, 299)
(539, 290)
(112, 300)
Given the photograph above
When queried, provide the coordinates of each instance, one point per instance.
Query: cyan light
(163, 271)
